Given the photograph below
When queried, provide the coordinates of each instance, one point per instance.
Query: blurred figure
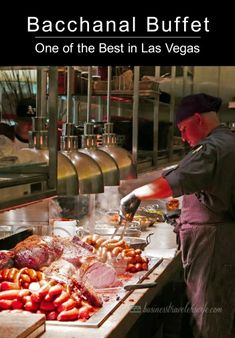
(7, 136)
(25, 110)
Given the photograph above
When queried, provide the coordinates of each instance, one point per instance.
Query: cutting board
(21, 325)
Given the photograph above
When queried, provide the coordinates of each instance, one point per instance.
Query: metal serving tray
(116, 298)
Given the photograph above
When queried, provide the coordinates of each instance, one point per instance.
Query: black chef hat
(197, 103)
(26, 109)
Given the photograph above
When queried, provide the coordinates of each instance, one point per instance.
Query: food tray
(8, 242)
(153, 212)
(116, 297)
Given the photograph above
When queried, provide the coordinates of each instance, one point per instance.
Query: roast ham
(99, 275)
(66, 272)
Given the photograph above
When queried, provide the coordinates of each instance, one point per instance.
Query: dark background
(17, 45)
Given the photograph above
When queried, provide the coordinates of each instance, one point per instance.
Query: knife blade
(130, 287)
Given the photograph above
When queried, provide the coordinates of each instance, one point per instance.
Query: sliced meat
(65, 272)
(87, 292)
(99, 275)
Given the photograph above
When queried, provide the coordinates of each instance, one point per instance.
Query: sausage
(36, 297)
(108, 241)
(63, 297)
(68, 315)
(47, 306)
(43, 291)
(102, 253)
(111, 246)
(109, 256)
(40, 275)
(131, 267)
(17, 304)
(12, 274)
(68, 305)
(48, 298)
(95, 237)
(4, 273)
(87, 239)
(30, 306)
(117, 250)
(55, 290)
(24, 292)
(25, 278)
(99, 242)
(18, 277)
(25, 285)
(27, 298)
(5, 304)
(9, 286)
(128, 253)
(52, 315)
(33, 275)
(9, 294)
(84, 312)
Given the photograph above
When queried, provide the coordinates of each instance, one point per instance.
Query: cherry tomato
(138, 266)
(144, 266)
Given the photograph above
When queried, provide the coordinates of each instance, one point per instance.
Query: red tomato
(131, 267)
(138, 259)
(144, 266)
(138, 266)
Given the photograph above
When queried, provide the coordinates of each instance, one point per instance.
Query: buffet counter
(125, 316)
(122, 320)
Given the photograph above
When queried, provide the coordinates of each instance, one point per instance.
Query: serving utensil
(130, 287)
(118, 227)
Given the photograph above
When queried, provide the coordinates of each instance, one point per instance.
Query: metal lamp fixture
(106, 162)
(67, 179)
(89, 173)
(123, 158)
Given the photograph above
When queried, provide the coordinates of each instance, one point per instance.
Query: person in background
(7, 136)
(205, 178)
(25, 110)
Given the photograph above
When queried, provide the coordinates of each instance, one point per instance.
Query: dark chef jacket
(208, 170)
(206, 179)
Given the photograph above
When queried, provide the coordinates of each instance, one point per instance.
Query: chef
(205, 178)
(25, 110)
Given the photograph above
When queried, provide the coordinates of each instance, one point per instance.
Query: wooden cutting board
(21, 325)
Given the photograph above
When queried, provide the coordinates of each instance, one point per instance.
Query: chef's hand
(128, 206)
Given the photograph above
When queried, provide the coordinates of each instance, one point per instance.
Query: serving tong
(120, 224)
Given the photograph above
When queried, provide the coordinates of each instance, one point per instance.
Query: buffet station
(80, 283)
